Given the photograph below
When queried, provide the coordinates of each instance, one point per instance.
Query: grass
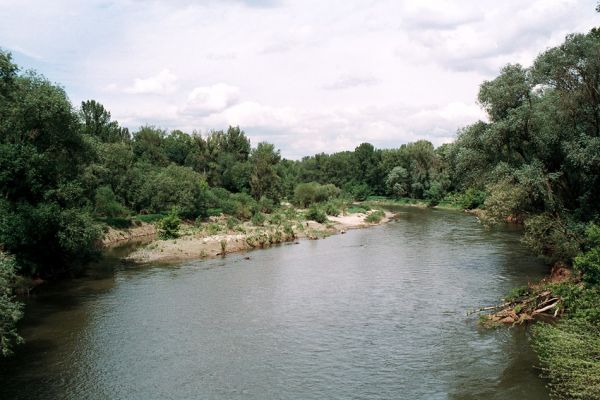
(375, 217)
(569, 351)
(355, 209)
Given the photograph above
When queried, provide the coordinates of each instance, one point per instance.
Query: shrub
(276, 219)
(266, 205)
(232, 222)
(588, 264)
(358, 191)
(472, 198)
(357, 209)
(107, 204)
(149, 218)
(116, 222)
(555, 238)
(306, 194)
(258, 219)
(315, 213)
(375, 217)
(168, 227)
(331, 209)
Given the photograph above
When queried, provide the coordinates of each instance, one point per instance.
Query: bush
(375, 217)
(266, 205)
(149, 218)
(331, 209)
(472, 199)
(434, 194)
(276, 219)
(358, 191)
(588, 264)
(316, 214)
(555, 238)
(306, 194)
(107, 204)
(118, 223)
(258, 219)
(168, 227)
(232, 222)
(357, 210)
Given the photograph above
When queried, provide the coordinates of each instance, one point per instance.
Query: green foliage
(570, 355)
(331, 208)
(472, 198)
(149, 218)
(553, 237)
(232, 222)
(258, 219)
(316, 214)
(168, 227)
(107, 204)
(588, 263)
(266, 205)
(357, 209)
(570, 350)
(264, 180)
(375, 217)
(306, 194)
(180, 187)
(10, 308)
(358, 191)
(117, 222)
(398, 181)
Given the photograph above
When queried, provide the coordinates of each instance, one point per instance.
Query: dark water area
(374, 314)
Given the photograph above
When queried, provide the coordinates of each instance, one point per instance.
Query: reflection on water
(374, 314)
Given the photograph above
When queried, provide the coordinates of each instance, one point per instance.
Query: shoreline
(198, 244)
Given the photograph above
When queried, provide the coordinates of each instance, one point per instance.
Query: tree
(398, 181)
(264, 180)
(96, 122)
(46, 222)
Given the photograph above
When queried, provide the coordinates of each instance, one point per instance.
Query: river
(373, 314)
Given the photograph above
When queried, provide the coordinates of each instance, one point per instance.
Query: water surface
(373, 314)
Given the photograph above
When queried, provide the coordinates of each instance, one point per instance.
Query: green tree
(96, 122)
(264, 180)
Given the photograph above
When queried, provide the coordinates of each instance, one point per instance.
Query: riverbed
(377, 313)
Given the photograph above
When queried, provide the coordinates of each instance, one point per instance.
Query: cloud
(349, 82)
(162, 83)
(206, 100)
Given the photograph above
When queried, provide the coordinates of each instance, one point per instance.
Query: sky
(308, 76)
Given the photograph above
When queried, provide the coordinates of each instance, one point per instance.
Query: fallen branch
(541, 310)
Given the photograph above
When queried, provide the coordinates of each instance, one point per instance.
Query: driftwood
(523, 308)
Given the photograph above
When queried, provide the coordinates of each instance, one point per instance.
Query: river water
(374, 314)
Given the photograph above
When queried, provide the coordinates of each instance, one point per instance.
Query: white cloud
(162, 83)
(206, 100)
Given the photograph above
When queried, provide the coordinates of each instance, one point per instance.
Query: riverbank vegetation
(67, 173)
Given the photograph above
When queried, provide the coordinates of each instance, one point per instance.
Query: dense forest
(66, 172)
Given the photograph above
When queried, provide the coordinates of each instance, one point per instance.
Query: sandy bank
(197, 245)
